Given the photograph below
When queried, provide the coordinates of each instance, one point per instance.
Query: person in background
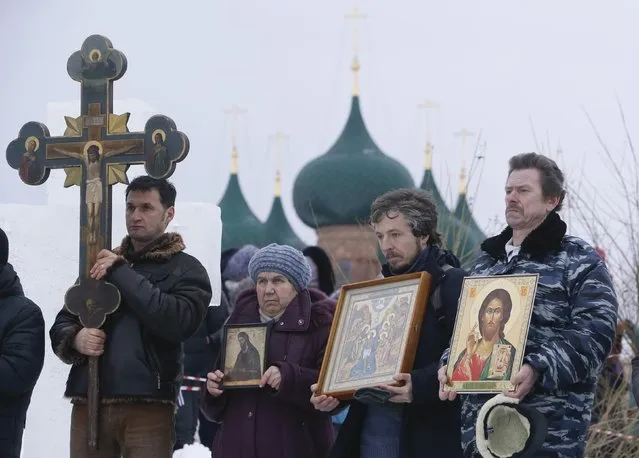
(224, 260)
(200, 353)
(322, 275)
(276, 419)
(235, 274)
(21, 354)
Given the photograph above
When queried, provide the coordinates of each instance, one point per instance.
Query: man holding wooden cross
(164, 295)
(125, 318)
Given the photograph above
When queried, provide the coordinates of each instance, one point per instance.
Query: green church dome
(339, 187)
(240, 226)
(277, 228)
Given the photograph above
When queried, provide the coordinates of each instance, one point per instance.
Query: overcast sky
(493, 67)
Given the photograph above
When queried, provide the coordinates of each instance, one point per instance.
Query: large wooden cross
(96, 150)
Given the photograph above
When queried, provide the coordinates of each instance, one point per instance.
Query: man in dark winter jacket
(200, 354)
(164, 296)
(21, 354)
(414, 422)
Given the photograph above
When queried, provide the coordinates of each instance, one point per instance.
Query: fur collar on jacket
(546, 238)
(161, 250)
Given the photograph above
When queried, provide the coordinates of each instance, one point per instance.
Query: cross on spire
(278, 137)
(356, 16)
(463, 179)
(428, 105)
(234, 112)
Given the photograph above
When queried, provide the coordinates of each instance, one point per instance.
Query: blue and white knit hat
(282, 259)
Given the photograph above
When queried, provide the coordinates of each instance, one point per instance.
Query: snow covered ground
(44, 252)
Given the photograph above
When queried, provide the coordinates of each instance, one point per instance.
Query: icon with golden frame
(491, 330)
(374, 335)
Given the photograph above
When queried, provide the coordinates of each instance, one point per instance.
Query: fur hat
(282, 259)
(507, 429)
(4, 248)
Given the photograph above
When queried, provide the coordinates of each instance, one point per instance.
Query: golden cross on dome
(234, 112)
(356, 16)
(278, 137)
(428, 105)
(463, 181)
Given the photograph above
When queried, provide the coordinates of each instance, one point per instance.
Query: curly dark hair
(417, 207)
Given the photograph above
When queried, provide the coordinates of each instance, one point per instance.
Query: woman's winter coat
(262, 422)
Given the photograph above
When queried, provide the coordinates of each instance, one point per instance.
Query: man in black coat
(21, 354)
(164, 296)
(200, 353)
(413, 422)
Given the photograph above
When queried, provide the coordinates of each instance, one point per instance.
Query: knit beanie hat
(282, 259)
(507, 429)
(237, 266)
(4, 248)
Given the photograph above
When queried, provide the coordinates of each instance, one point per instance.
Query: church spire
(234, 112)
(278, 137)
(463, 177)
(428, 105)
(356, 16)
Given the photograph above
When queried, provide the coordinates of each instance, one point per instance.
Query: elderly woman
(277, 419)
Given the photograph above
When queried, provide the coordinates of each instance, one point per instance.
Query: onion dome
(339, 187)
(240, 226)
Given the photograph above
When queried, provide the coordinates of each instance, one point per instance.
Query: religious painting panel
(490, 333)
(374, 334)
(243, 355)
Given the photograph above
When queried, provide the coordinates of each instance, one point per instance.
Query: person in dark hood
(322, 275)
(413, 421)
(21, 354)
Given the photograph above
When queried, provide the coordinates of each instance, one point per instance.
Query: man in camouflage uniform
(574, 315)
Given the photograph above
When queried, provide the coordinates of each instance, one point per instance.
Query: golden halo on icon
(95, 55)
(158, 131)
(32, 139)
(91, 143)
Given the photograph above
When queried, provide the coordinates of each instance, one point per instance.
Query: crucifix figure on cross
(96, 151)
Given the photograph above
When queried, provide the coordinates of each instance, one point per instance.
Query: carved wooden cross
(96, 150)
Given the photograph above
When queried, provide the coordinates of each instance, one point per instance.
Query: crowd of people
(161, 359)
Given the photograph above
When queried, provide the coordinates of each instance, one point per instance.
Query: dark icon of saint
(98, 66)
(159, 162)
(29, 170)
(247, 364)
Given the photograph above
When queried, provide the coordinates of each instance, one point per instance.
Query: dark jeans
(140, 430)
(186, 419)
(186, 422)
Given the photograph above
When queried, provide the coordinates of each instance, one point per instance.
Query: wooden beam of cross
(96, 151)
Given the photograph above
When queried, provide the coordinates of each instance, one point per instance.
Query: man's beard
(488, 333)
